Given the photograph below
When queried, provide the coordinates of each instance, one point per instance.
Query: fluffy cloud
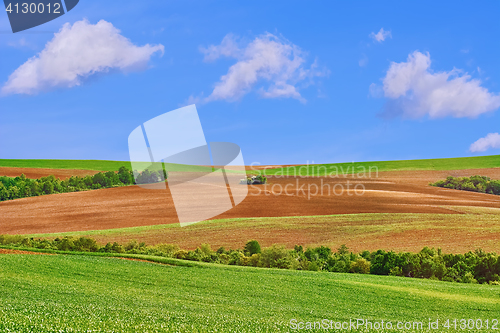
(268, 58)
(76, 52)
(416, 91)
(492, 140)
(227, 48)
(381, 35)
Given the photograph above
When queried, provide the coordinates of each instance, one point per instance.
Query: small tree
(252, 247)
(275, 257)
(343, 249)
(125, 176)
(48, 188)
(206, 249)
(99, 179)
(4, 192)
(112, 178)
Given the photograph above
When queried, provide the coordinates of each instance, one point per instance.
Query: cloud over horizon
(490, 141)
(268, 58)
(76, 52)
(380, 36)
(414, 91)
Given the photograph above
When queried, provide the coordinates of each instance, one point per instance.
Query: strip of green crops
(97, 165)
(339, 169)
(479, 162)
(64, 293)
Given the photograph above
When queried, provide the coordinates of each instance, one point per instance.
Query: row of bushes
(480, 184)
(22, 187)
(472, 267)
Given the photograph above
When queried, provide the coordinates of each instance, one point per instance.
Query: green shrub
(343, 249)
(244, 260)
(181, 254)
(112, 248)
(235, 257)
(252, 247)
(196, 255)
(312, 266)
(66, 244)
(298, 248)
(22, 187)
(206, 249)
(469, 278)
(318, 253)
(472, 267)
(167, 249)
(275, 257)
(396, 271)
(10, 239)
(476, 183)
(85, 244)
(224, 259)
(361, 266)
(254, 260)
(262, 179)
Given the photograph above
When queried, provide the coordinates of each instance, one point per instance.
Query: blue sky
(427, 86)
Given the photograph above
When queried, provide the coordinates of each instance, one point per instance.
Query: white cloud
(268, 58)
(381, 35)
(375, 91)
(227, 48)
(416, 91)
(492, 140)
(76, 52)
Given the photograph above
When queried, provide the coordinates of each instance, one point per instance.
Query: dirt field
(390, 192)
(469, 229)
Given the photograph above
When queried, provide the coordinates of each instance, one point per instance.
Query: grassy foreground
(63, 293)
(479, 162)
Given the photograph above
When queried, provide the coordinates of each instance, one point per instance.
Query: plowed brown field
(390, 192)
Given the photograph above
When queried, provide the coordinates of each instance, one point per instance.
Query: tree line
(22, 187)
(472, 267)
(479, 184)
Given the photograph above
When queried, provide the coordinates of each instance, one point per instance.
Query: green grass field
(98, 165)
(73, 293)
(461, 163)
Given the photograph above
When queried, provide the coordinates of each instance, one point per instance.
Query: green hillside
(65, 293)
(460, 163)
(479, 162)
(98, 165)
